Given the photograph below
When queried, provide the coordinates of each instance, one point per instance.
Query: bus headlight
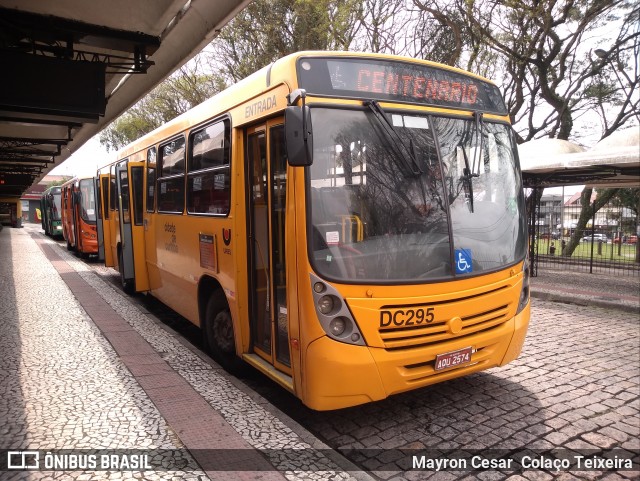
(338, 326)
(325, 304)
(524, 293)
(334, 315)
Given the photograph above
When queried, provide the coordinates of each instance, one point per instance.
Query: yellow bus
(10, 211)
(352, 225)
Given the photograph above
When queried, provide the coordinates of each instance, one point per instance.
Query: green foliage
(534, 49)
(629, 198)
(269, 29)
(55, 183)
(180, 92)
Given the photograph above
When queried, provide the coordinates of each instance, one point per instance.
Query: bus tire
(219, 336)
(128, 285)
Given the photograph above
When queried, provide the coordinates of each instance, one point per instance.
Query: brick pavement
(153, 365)
(197, 424)
(576, 386)
(61, 385)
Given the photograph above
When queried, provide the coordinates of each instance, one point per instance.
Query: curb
(579, 301)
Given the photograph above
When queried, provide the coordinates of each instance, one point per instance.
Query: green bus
(51, 208)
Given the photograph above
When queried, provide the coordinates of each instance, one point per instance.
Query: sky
(86, 160)
(92, 155)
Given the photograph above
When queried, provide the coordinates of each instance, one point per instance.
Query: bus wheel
(128, 285)
(219, 336)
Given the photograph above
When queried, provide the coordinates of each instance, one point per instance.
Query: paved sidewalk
(84, 368)
(584, 289)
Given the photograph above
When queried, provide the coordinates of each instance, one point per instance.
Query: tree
(556, 65)
(269, 29)
(544, 52)
(188, 87)
(55, 183)
(630, 199)
(617, 81)
(587, 212)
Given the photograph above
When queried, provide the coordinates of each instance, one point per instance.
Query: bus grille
(406, 337)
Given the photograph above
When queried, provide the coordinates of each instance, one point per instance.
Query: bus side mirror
(298, 138)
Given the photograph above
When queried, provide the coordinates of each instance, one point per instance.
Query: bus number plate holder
(453, 359)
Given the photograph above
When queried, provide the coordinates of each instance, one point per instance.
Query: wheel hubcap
(223, 331)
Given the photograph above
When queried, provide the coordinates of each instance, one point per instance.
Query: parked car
(550, 235)
(626, 239)
(596, 238)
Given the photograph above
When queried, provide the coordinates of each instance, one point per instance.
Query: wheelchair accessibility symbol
(463, 261)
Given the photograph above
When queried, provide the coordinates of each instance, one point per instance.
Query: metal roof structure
(613, 162)
(71, 67)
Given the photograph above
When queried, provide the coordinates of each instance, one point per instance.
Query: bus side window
(209, 180)
(171, 178)
(137, 190)
(105, 196)
(113, 204)
(151, 180)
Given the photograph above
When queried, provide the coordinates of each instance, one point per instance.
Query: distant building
(550, 214)
(562, 217)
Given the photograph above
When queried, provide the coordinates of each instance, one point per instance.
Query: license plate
(452, 359)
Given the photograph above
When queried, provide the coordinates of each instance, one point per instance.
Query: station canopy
(71, 67)
(613, 162)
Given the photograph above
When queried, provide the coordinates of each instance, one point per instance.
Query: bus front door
(131, 252)
(267, 181)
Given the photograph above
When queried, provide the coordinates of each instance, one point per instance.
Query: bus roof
(281, 71)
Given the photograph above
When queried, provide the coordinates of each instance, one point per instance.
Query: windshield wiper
(467, 180)
(477, 116)
(469, 172)
(395, 144)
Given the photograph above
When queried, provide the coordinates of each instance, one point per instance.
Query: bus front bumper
(341, 375)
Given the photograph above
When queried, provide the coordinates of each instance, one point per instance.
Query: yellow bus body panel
(339, 375)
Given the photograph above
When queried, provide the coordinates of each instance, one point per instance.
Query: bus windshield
(56, 207)
(454, 209)
(88, 202)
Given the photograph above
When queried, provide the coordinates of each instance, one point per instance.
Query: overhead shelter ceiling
(71, 67)
(613, 162)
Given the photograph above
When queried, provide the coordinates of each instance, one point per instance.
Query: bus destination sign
(398, 81)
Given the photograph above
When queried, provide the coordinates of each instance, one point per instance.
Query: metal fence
(608, 244)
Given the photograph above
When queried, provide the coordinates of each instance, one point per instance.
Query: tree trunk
(587, 212)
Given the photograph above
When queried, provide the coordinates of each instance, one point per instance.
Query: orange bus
(79, 216)
(352, 225)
